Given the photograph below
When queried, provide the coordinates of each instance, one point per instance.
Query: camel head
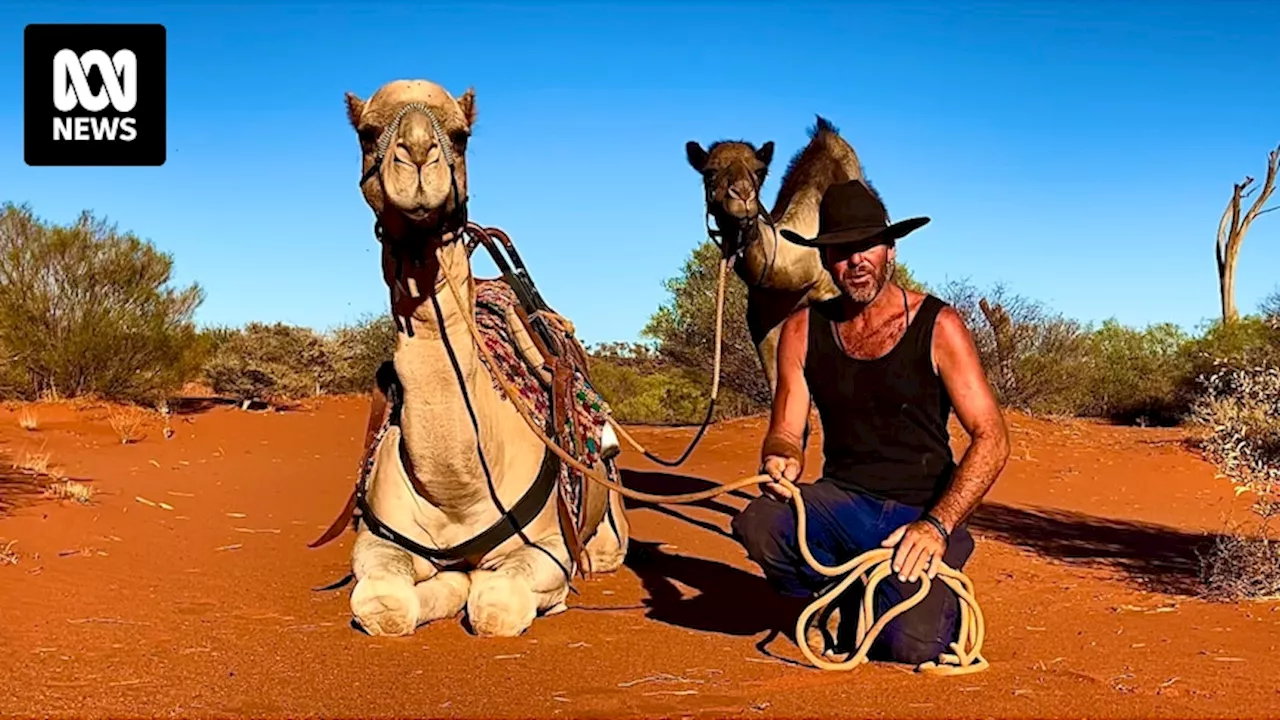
(732, 174)
(413, 138)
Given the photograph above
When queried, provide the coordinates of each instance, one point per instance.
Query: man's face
(859, 270)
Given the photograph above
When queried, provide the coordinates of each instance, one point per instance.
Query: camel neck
(445, 386)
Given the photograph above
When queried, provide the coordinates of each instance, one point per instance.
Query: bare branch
(1268, 186)
(1264, 212)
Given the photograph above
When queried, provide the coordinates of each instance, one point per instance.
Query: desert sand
(212, 605)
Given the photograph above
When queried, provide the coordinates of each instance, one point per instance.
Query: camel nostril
(740, 193)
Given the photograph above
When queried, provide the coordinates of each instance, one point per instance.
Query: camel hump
(822, 125)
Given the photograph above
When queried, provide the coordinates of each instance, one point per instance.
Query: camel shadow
(724, 599)
(1150, 557)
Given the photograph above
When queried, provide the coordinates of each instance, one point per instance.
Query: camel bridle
(450, 224)
(738, 228)
(458, 217)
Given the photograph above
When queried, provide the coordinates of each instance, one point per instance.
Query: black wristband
(937, 524)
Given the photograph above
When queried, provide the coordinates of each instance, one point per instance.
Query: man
(885, 367)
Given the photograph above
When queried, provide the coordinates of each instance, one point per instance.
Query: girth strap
(516, 519)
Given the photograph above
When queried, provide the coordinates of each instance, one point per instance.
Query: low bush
(274, 363)
(88, 310)
(643, 388)
(1239, 411)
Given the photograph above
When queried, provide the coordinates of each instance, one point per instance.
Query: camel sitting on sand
(458, 446)
(781, 277)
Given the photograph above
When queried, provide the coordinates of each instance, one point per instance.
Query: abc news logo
(71, 91)
(94, 95)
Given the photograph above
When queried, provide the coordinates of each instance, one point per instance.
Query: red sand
(1083, 566)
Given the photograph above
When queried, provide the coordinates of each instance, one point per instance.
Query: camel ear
(468, 105)
(765, 153)
(355, 108)
(697, 156)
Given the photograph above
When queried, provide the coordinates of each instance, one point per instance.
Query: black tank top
(884, 421)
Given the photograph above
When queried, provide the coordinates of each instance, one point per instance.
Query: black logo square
(94, 94)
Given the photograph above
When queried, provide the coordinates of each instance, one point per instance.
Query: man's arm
(919, 545)
(977, 410)
(781, 453)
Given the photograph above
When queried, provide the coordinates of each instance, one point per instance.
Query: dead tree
(1002, 331)
(1232, 229)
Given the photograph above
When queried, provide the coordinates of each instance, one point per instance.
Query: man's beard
(868, 285)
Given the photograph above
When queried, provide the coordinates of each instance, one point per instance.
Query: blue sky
(1080, 152)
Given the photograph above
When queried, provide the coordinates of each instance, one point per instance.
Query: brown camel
(781, 276)
(459, 444)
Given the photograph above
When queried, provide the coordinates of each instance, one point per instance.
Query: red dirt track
(1084, 568)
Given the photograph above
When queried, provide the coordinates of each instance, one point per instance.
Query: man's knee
(923, 632)
(763, 527)
(912, 650)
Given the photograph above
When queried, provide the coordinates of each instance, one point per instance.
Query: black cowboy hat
(852, 213)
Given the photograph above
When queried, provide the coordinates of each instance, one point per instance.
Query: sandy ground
(1085, 569)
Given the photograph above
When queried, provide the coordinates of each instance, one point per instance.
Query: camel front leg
(504, 600)
(387, 601)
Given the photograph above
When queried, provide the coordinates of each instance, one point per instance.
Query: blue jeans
(843, 524)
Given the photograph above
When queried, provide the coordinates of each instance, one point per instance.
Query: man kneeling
(884, 367)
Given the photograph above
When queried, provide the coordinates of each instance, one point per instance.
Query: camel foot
(500, 605)
(385, 606)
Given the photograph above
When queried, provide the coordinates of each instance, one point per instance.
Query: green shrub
(1137, 375)
(355, 352)
(87, 310)
(643, 388)
(274, 363)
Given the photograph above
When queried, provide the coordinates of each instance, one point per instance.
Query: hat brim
(870, 236)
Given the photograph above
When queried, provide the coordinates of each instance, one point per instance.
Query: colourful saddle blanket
(586, 420)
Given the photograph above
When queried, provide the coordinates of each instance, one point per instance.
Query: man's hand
(779, 467)
(920, 548)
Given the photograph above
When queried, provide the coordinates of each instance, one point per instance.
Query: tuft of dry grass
(34, 462)
(8, 556)
(70, 490)
(29, 419)
(1238, 567)
(127, 422)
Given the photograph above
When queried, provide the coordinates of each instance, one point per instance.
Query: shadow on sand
(1150, 556)
(19, 489)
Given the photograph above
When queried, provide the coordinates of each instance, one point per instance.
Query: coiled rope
(871, 566)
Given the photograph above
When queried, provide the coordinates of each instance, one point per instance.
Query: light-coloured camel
(781, 276)
(459, 440)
